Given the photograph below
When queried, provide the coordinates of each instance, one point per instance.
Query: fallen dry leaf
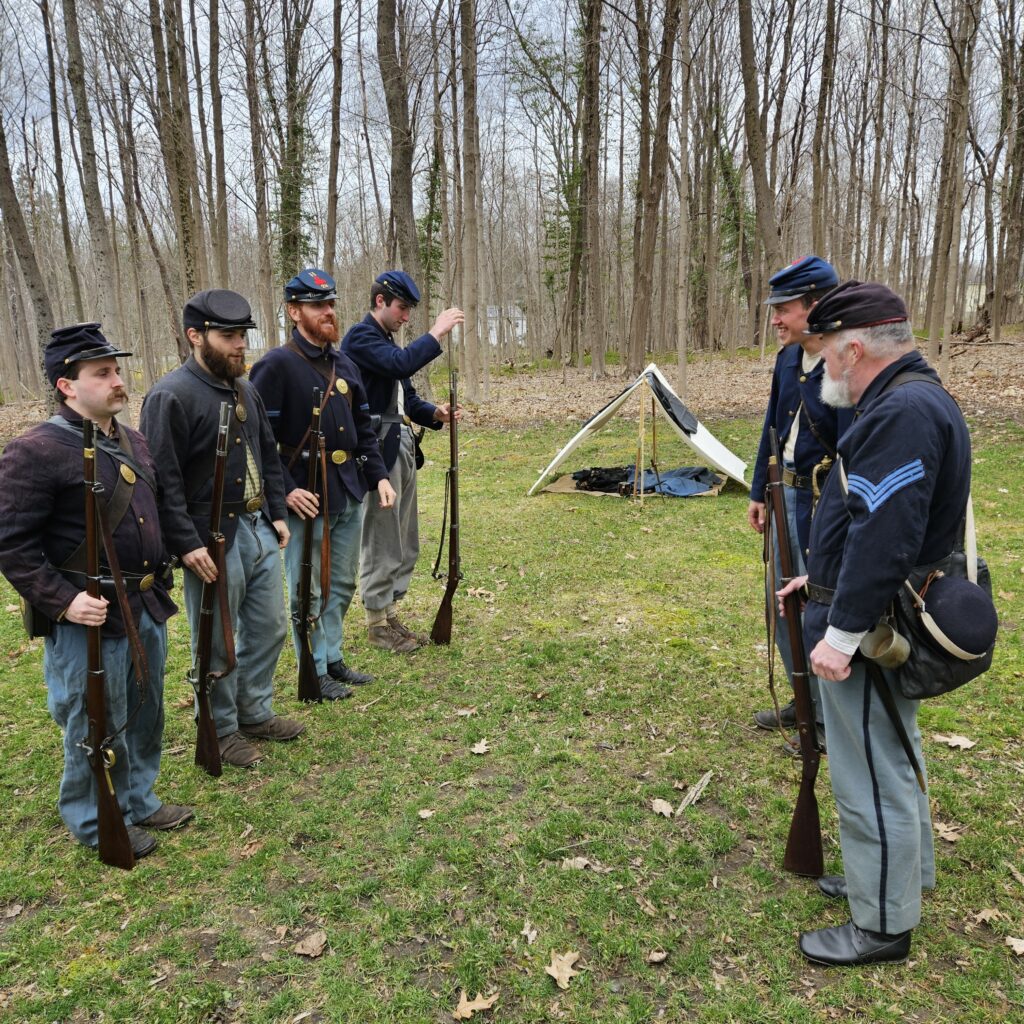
(466, 712)
(424, 813)
(951, 833)
(988, 915)
(281, 931)
(1013, 871)
(584, 864)
(467, 1007)
(12, 608)
(481, 747)
(13, 910)
(961, 742)
(312, 945)
(646, 906)
(1017, 945)
(662, 807)
(530, 933)
(487, 595)
(657, 956)
(560, 968)
(695, 792)
(251, 848)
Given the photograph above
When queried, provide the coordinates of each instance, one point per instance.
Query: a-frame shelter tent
(683, 422)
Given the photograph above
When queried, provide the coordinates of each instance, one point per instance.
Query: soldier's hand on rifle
(446, 321)
(828, 663)
(443, 413)
(386, 493)
(305, 504)
(796, 583)
(755, 515)
(283, 533)
(200, 562)
(87, 611)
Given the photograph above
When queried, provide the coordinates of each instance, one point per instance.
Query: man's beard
(836, 392)
(224, 367)
(321, 332)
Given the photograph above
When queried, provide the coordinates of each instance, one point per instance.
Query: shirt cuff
(842, 641)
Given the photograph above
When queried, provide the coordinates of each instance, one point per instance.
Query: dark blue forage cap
(310, 285)
(217, 307)
(76, 344)
(807, 274)
(856, 304)
(399, 284)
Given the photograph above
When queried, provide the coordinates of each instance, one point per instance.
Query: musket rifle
(441, 633)
(202, 676)
(803, 848)
(305, 621)
(115, 847)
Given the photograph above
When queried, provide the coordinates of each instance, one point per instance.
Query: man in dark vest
(285, 378)
(42, 553)
(180, 416)
(391, 536)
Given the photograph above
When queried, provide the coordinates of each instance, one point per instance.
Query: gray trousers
(256, 604)
(884, 822)
(391, 537)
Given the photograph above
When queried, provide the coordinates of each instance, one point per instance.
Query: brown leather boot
(235, 750)
(395, 623)
(384, 637)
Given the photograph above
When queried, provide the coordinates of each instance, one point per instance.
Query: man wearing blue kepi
(286, 378)
(391, 535)
(808, 430)
(895, 506)
(42, 553)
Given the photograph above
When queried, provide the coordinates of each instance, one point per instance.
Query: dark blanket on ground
(676, 483)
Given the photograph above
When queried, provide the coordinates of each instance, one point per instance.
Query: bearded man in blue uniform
(896, 502)
(42, 553)
(285, 378)
(808, 430)
(391, 542)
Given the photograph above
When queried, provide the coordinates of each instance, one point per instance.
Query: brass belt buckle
(146, 582)
(254, 504)
(338, 456)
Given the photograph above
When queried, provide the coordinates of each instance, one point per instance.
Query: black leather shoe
(333, 690)
(340, 671)
(143, 844)
(850, 946)
(833, 886)
(769, 720)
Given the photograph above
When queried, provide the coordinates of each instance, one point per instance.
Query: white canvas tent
(685, 424)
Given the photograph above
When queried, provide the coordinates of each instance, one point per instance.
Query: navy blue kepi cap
(856, 304)
(807, 274)
(76, 344)
(963, 612)
(218, 307)
(399, 284)
(310, 285)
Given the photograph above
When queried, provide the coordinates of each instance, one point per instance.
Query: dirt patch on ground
(987, 380)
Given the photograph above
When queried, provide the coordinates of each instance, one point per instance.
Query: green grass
(613, 652)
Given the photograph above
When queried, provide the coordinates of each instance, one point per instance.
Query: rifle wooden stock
(441, 632)
(202, 676)
(115, 848)
(803, 848)
(309, 678)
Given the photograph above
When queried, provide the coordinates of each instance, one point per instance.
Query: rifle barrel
(309, 679)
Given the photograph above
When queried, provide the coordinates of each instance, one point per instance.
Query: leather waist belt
(379, 419)
(820, 595)
(790, 479)
(231, 507)
(133, 582)
(338, 456)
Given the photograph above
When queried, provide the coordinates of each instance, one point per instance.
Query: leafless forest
(584, 180)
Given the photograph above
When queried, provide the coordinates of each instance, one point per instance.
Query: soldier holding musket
(286, 378)
(42, 553)
(181, 418)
